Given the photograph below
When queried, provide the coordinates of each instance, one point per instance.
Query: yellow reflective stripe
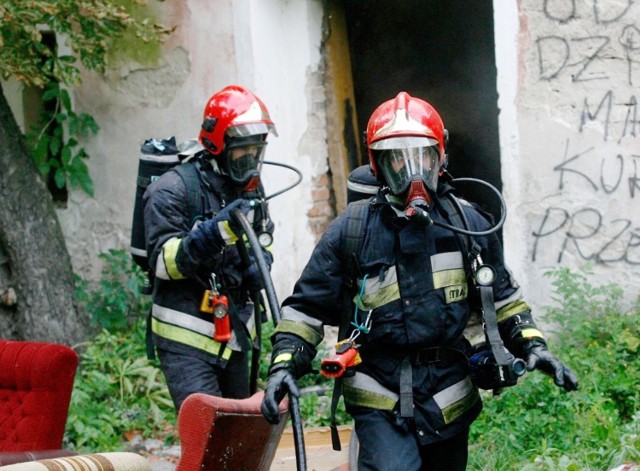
(457, 399)
(363, 390)
(169, 254)
(511, 309)
(379, 298)
(442, 279)
(530, 333)
(282, 357)
(300, 329)
(227, 234)
(184, 336)
(378, 292)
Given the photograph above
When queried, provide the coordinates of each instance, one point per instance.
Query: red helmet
(233, 112)
(406, 132)
(234, 117)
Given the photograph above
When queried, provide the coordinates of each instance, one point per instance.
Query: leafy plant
(116, 301)
(537, 425)
(55, 141)
(117, 390)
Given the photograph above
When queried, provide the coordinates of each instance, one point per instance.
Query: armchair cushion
(36, 381)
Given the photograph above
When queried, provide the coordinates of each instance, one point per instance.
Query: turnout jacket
(180, 278)
(413, 281)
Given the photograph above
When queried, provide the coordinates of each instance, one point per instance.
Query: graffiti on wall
(609, 103)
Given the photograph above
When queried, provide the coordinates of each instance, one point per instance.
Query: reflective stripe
(282, 357)
(457, 399)
(298, 323)
(291, 314)
(516, 296)
(166, 268)
(138, 252)
(378, 293)
(184, 336)
(448, 270)
(511, 309)
(446, 261)
(300, 329)
(227, 234)
(530, 333)
(442, 279)
(202, 327)
(362, 390)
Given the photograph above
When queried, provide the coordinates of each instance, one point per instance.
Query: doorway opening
(442, 52)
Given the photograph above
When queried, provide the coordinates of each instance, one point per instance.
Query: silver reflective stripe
(363, 390)
(446, 261)
(454, 393)
(181, 319)
(516, 296)
(290, 314)
(367, 383)
(448, 272)
(138, 252)
(362, 188)
(189, 322)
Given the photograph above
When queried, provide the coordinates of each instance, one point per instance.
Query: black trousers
(186, 375)
(387, 443)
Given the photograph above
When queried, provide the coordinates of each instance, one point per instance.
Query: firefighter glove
(540, 358)
(212, 235)
(280, 383)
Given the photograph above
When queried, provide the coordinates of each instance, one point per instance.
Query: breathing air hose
(421, 215)
(294, 406)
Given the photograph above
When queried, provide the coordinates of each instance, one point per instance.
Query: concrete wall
(568, 74)
(568, 82)
(272, 47)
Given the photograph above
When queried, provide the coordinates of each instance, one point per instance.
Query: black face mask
(242, 158)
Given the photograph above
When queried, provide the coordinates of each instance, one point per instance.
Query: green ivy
(54, 142)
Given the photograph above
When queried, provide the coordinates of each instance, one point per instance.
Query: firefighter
(201, 319)
(411, 395)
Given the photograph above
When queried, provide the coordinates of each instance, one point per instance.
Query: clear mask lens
(399, 166)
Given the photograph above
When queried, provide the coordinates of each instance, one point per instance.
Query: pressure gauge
(485, 275)
(265, 239)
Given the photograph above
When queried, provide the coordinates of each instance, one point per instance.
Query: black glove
(280, 382)
(213, 234)
(539, 357)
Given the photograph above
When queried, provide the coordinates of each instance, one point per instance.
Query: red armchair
(36, 381)
(217, 433)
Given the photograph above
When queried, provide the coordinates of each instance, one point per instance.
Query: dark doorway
(442, 52)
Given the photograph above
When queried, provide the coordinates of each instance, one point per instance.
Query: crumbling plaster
(272, 47)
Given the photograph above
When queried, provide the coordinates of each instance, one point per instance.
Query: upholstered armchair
(36, 381)
(217, 433)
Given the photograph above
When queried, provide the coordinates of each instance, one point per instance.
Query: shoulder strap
(190, 175)
(352, 241)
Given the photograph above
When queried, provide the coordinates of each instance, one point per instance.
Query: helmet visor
(250, 129)
(244, 160)
(400, 166)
